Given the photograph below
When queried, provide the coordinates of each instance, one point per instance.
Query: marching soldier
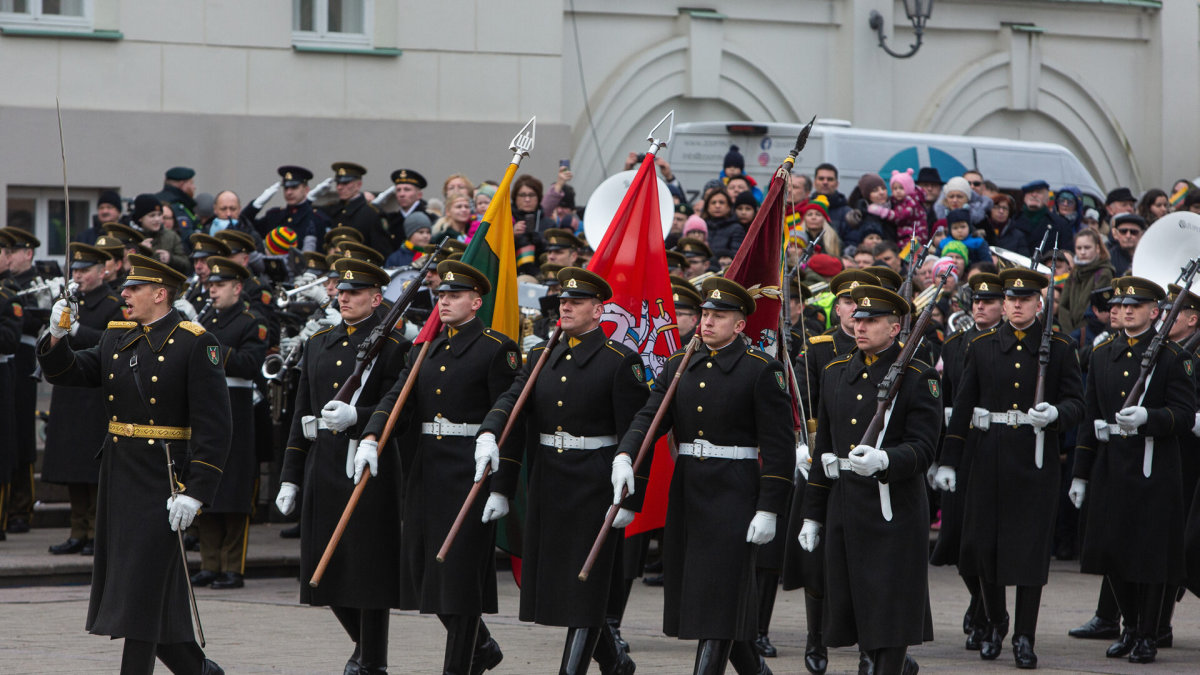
(731, 479)
(870, 497)
(168, 434)
(114, 273)
(255, 292)
(297, 212)
(467, 367)
(589, 390)
(360, 584)
(224, 527)
(687, 308)
(1131, 468)
(1011, 498)
(76, 425)
(10, 340)
(353, 210)
(1186, 326)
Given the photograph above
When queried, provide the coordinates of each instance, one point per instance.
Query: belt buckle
(1014, 418)
(129, 429)
(560, 440)
(700, 444)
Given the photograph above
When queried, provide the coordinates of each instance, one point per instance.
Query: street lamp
(918, 12)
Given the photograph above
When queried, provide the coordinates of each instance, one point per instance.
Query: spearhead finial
(522, 143)
(801, 141)
(657, 142)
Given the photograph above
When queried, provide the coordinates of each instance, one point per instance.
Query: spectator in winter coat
(745, 208)
(958, 226)
(1154, 205)
(957, 194)
(826, 181)
(908, 209)
(861, 220)
(930, 182)
(818, 228)
(1127, 231)
(1068, 206)
(725, 233)
(1092, 270)
(1035, 216)
(1000, 230)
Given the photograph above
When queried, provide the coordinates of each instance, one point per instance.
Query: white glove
(181, 511)
(1077, 492)
(623, 519)
(315, 293)
(946, 478)
(285, 501)
(306, 278)
(1196, 426)
(383, 197)
(185, 308)
(803, 459)
(762, 528)
(320, 189)
(1042, 415)
(622, 475)
(495, 508)
(56, 313)
(810, 535)
(332, 317)
(868, 461)
(1132, 417)
(486, 453)
(931, 476)
(339, 416)
(287, 344)
(266, 195)
(367, 455)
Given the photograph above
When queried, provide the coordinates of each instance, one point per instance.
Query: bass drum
(400, 282)
(602, 206)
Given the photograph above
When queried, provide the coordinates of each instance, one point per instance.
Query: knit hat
(734, 158)
(958, 216)
(825, 265)
(746, 198)
(279, 240)
(695, 223)
(868, 182)
(815, 205)
(957, 184)
(145, 203)
(956, 247)
(487, 189)
(1091, 214)
(417, 220)
(110, 197)
(905, 179)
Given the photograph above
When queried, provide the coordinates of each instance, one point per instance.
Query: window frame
(35, 19)
(321, 37)
(42, 196)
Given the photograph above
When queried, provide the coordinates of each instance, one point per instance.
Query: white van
(698, 150)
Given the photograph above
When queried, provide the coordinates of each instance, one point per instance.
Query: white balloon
(606, 199)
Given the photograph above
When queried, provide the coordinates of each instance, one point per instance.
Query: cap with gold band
(1190, 300)
(20, 238)
(676, 261)
(1135, 291)
(354, 274)
(84, 256)
(724, 294)
(459, 276)
(558, 239)
(580, 283)
(293, 175)
(888, 278)
(204, 245)
(449, 248)
(846, 281)
(5, 240)
(112, 246)
(686, 297)
(409, 177)
(692, 247)
(549, 274)
(128, 236)
(986, 286)
(147, 270)
(330, 259)
(347, 172)
(1019, 281)
(237, 241)
(341, 233)
(313, 262)
(878, 301)
(798, 290)
(224, 269)
(353, 249)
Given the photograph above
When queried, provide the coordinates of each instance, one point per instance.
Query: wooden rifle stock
(1151, 355)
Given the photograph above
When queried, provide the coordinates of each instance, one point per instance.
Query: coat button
(338, 363)
(110, 397)
(152, 401)
(563, 378)
(853, 420)
(1016, 365)
(437, 391)
(859, 397)
(335, 385)
(700, 432)
(1126, 373)
(864, 376)
(558, 428)
(560, 404)
(708, 365)
(115, 439)
(1129, 354)
(110, 376)
(114, 357)
(568, 357)
(701, 385)
(699, 408)
(560, 451)
(1016, 385)
(1018, 347)
(171, 341)
(114, 418)
(149, 441)
(162, 358)
(443, 369)
(1014, 406)
(154, 378)
(345, 343)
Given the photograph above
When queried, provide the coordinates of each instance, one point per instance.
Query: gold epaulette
(192, 327)
(122, 325)
(820, 339)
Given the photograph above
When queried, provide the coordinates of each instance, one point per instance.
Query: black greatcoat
(1135, 528)
(592, 389)
(362, 572)
(877, 586)
(459, 379)
(734, 396)
(364, 217)
(1189, 451)
(954, 355)
(243, 339)
(77, 422)
(139, 584)
(1010, 505)
(10, 340)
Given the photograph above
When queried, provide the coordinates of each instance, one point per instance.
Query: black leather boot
(816, 656)
(993, 644)
(577, 650)
(211, 668)
(1029, 601)
(1023, 652)
(746, 660)
(460, 643)
(612, 659)
(894, 661)
(487, 651)
(768, 588)
(614, 627)
(1123, 646)
(1097, 628)
(1144, 650)
(711, 657)
(373, 641)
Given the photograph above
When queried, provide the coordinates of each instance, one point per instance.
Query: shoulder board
(192, 327)
(1174, 347)
(323, 330)
(758, 355)
(113, 298)
(616, 347)
(1061, 338)
(836, 361)
(677, 354)
(919, 370)
(1107, 340)
(820, 339)
(492, 334)
(953, 336)
(984, 334)
(122, 325)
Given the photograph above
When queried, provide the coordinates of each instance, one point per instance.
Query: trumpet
(40, 285)
(275, 366)
(282, 300)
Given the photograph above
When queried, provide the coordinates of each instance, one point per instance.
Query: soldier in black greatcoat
(1131, 468)
(870, 498)
(297, 213)
(585, 395)
(731, 418)
(360, 584)
(165, 400)
(1011, 496)
(77, 421)
(10, 339)
(1187, 325)
(353, 210)
(468, 366)
(224, 526)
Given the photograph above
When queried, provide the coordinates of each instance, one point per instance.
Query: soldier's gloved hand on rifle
(266, 195)
(383, 196)
(1042, 415)
(1132, 417)
(1077, 492)
(367, 455)
(810, 535)
(495, 508)
(1196, 425)
(762, 528)
(946, 478)
(339, 416)
(486, 453)
(285, 501)
(320, 189)
(622, 476)
(868, 461)
(185, 308)
(62, 307)
(181, 511)
(803, 459)
(623, 519)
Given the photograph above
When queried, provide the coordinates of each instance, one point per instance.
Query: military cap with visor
(692, 247)
(313, 262)
(1136, 290)
(84, 256)
(799, 290)
(293, 175)
(676, 261)
(204, 245)
(986, 286)
(330, 260)
(878, 301)
(180, 173)
(5, 240)
(341, 233)
(449, 248)
(238, 241)
(580, 283)
(558, 239)
(1019, 281)
(112, 246)
(888, 278)
(726, 295)
(19, 238)
(846, 281)
(353, 249)
(354, 274)
(686, 297)
(224, 269)
(459, 276)
(1190, 301)
(549, 274)
(409, 177)
(146, 270)
(125, 233)
(348, 172)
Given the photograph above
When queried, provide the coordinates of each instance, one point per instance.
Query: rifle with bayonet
(906, 288)
(1039, 391)
(1156, 343)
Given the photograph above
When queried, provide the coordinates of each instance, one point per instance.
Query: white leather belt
(29, 340)
(704, 450)
(310, 424)
(982, 419)
(239, 382)
(833, 464)
(1105, 429)
(440, 426)
(564, 441)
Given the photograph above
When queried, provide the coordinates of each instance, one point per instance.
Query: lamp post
(918, 12)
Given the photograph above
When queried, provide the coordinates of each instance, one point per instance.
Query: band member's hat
(724, 294)
(313, 262)
(204, 245)
(686, 297)
(692, 247)
(1019, 281)
(888, 278)
(676, 261)
(147, 270)
(1190, 301)
(128, 236)
(292, 175)
(580, 283)
(878, 301)
(986, 286)
(844, 282)
(84, 256)
(238, 241)
(354, 274)
(409, 177)
(1136, 290)
(558, 239)
(223, 269)
(341, 233)
(353, 249)
(20, 238)
(459, 276)
(347, 172)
